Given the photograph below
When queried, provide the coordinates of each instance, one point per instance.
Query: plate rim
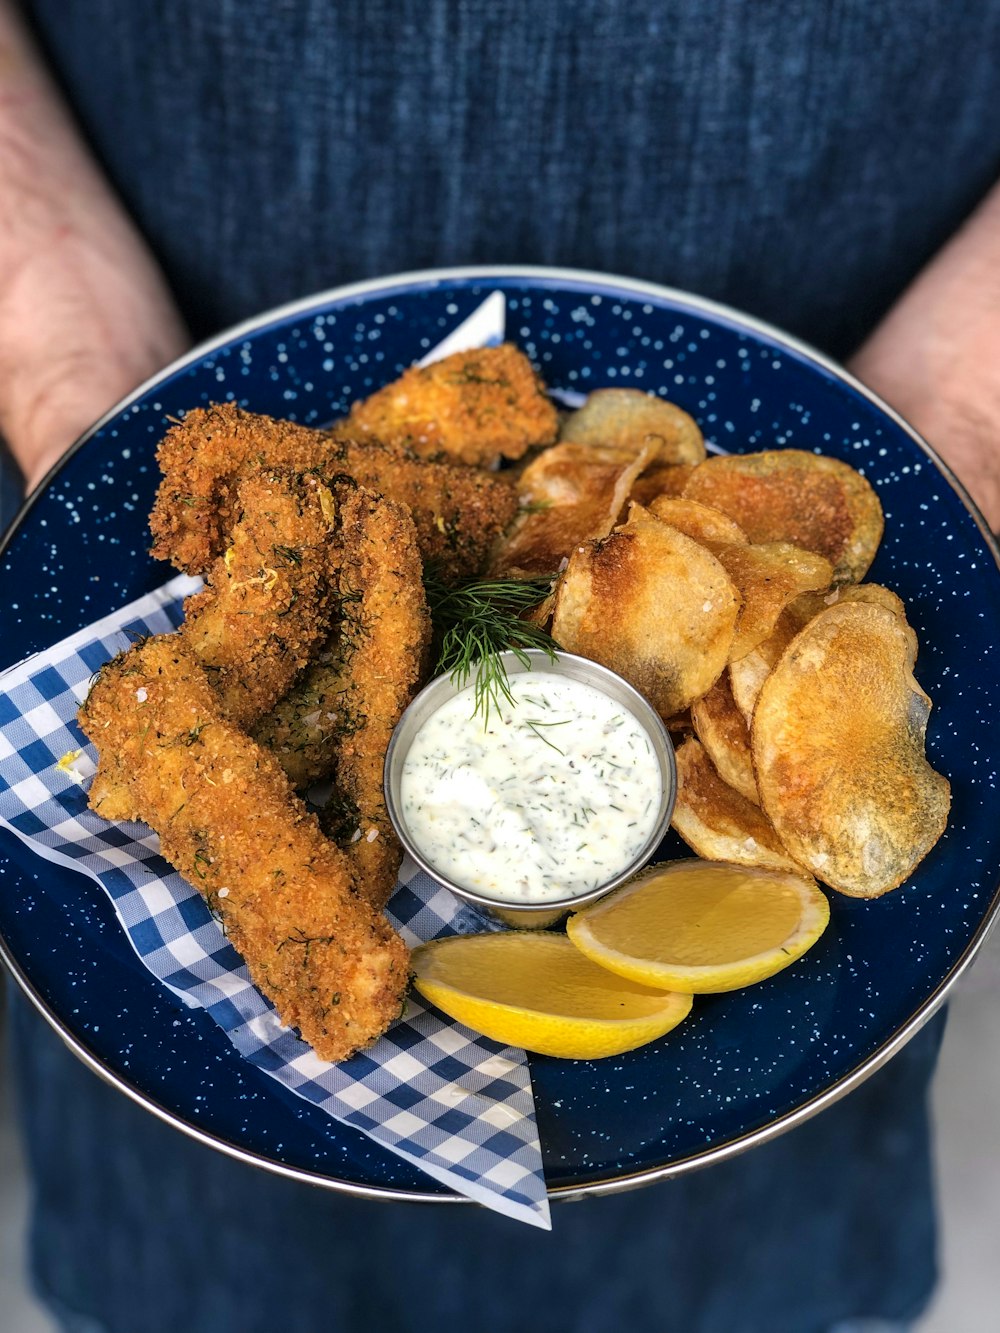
(605, 283)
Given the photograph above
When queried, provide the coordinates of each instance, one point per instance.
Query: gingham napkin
(457, 1105)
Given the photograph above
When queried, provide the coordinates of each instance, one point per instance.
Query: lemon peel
(702, 926)
(535, 990)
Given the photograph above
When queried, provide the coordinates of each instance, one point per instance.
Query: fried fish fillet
(268, 600)
(386, 634)
(472, 407)
(459, 512)
(229, 821)
(337, 719)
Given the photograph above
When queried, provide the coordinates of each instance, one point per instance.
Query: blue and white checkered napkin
(458, 1106)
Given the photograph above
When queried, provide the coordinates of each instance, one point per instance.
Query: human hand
(79, 329)
(935, 358)
(85, 315)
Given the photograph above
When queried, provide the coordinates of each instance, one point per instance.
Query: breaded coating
(385, 637)
(229, 821)
(338, 718)
(473, 407)
(458, 511)
(305, 726)
(268, 600)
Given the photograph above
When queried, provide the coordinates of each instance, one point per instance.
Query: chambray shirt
(800, 160)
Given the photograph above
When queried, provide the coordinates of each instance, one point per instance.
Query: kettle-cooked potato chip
(722, 730)
(701, 522)
(652, 605)
(838, 748)
(664, 479)
(748, 673)
(570, 494)
(717, 822)
(788, 495)
(633, 419)
(769, 576)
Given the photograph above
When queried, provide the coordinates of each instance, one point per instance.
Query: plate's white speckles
(746, 1059)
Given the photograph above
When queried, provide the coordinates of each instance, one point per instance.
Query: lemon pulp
(702, 926)
(536, 990)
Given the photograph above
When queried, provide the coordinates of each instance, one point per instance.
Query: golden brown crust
(385, 636)
(459, 512)
(838, 749)
(472, 407)
(788, 495)
(230, 823)
(268, 600)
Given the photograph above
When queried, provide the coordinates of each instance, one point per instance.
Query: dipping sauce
(556, 794)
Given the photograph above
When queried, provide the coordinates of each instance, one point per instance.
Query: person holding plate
(166, 171)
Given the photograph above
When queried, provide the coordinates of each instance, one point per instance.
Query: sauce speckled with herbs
(556, 793)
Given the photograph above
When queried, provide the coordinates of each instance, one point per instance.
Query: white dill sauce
(557, 793)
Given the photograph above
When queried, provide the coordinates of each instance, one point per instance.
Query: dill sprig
(475, 622)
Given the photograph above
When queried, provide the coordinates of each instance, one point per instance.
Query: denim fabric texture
(799, 160)
(10, 488)
(142, 1230)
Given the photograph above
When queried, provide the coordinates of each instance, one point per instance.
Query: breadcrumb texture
(268, 600)
(472, 407)
(459, 512)
(230, 823)
(337, 719)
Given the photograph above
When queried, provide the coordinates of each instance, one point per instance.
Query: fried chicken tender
(458, 511)
(269, 599)
(473, 407)
(229, 821)
(386, 635)
(338, 718)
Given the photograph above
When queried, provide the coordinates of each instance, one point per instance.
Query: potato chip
(768, 577)
(661, 479)
(804, 608)
(633, 419)
(838, 748)
(717, 822)
(722, 730)
(570, 494)
(787, 495)
(700, 522)
(748, 673)
(652, 605)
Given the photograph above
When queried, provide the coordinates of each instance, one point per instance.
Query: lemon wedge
(533, 989)
(702, 926)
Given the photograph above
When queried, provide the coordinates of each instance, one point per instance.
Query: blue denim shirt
(800, 160)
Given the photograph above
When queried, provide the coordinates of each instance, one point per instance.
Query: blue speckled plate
(745, 1066)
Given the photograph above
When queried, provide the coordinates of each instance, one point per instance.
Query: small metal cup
(442, 688)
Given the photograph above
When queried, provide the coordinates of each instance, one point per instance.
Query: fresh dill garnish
(475, 622)
(533, 726)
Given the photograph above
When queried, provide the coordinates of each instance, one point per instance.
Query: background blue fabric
(799, 159)
(796, 159)
(145, 1231)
